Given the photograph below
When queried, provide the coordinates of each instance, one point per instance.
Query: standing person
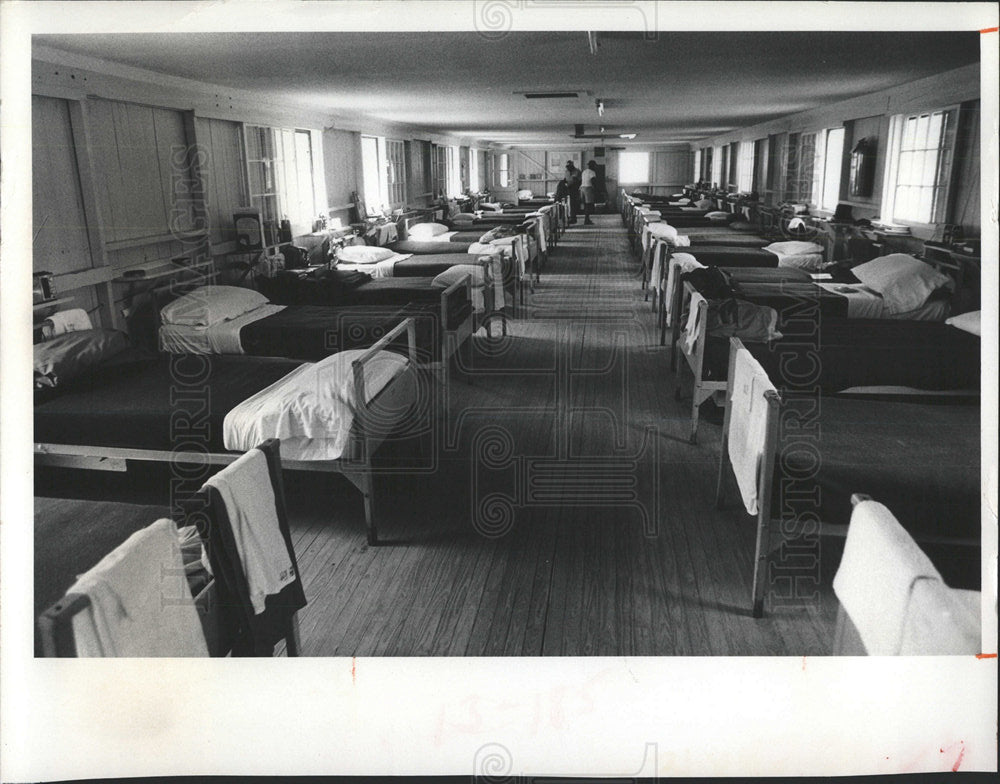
(588, 191)
(573, 190)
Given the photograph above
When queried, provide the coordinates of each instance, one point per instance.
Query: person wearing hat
(572, 180)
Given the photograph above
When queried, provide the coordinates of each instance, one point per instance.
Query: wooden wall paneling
(107, 167)
(60, 241)
(964, 207)
(188, 170)
(103, 292)
(141, 198)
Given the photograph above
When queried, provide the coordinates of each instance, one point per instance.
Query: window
(697, 165)
(744, 173)
(732, 176)
(395, 172)
(827, 168)
(503, 170)
(454, 172)
(633, 167)
(375, 200)
(280, 171)
(383, 170)
(473, 170)
(920, 148)
(801, 160)
(724, 167)
(707, 171)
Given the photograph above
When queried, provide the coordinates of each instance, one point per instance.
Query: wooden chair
(250, 634)
(222, 598)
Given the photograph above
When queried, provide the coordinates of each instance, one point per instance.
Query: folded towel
(695, 322)
(679, 264)
(72, 320)
(245, 487)
(748, 425)
(878, 571)
(140, 602)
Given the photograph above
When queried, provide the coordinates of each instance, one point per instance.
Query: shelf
(169, 269)
(51, 303)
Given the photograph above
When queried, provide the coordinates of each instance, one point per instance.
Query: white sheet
(519, 243)
(380, 269)
(446, 237)
(877, 573)
(748, 425)
(221, 338)
(311, 410)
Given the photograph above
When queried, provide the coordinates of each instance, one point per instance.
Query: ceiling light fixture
(626, 136)
(600, 108)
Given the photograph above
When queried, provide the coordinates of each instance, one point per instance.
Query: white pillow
(525, 194)
(210, 305)
(904, 282)
(717, 215)
(970, 322)
(459, 271)
(703, 204)
(421, 230)
(463, 217)
(364, 254)
(663, 230)
(794, 248)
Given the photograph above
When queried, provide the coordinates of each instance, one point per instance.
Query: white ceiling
(679, 87)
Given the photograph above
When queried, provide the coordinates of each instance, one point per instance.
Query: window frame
(266, 154)
(621, 168)
(943, 168)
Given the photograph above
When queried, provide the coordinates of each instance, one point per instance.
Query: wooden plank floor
(561, 511)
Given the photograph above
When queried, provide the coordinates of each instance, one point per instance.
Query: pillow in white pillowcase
(458, 272)
(427, 230)
(663, 230)
(904, 282)
(794, 248)
(364, 254)
(208, 305)
(718, 215)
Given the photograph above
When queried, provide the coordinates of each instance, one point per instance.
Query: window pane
(370, 174)
(633, 167)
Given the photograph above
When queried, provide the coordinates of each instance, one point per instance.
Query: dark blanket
(468, 236)
(707, 241)
(922, 460)
(403, 291)
(731, 255)
(834, 354)
(145, 405)
(311, 332)
(431, 248)
(432, 265)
